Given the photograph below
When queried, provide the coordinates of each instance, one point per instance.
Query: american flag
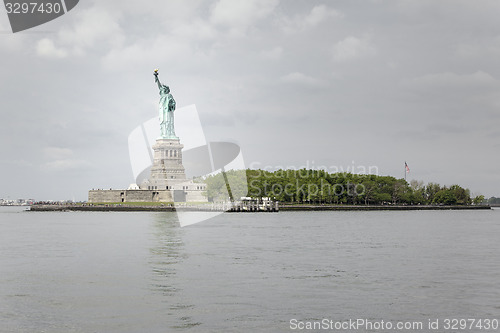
(407, 168)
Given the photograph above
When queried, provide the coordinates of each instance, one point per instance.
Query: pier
(248, 204)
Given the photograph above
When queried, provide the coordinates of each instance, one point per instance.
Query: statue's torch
(155, 73)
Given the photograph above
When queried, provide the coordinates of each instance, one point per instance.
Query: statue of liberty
(167, 107)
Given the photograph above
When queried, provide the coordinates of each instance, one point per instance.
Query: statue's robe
(166, 108)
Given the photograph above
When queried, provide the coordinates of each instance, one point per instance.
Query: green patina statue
(167, 107)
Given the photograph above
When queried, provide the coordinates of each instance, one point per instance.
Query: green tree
(445, 197)
(382, 198)
(478, 199)
(430, 192)
(370, 191)
(462, 195)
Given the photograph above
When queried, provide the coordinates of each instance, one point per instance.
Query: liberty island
(167, 181)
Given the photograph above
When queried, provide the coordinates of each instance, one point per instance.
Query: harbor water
(248, 272)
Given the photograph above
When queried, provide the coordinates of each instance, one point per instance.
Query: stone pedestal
(167, 169)
(167, 162)
(167, 182)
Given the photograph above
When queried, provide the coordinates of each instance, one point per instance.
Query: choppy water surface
(141, 272)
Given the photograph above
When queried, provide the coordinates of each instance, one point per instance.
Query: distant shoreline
(170, 208)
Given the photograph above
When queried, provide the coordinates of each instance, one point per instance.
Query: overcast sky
(294, 83)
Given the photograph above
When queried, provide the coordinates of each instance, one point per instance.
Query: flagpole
(405, 170)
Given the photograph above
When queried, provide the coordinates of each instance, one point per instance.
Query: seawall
(378, 207)
(100, 208)
(169, 208)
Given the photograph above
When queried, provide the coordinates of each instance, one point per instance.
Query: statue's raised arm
(157, 80)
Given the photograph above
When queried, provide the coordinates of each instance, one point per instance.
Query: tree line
(492, 201)
(320, 187)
